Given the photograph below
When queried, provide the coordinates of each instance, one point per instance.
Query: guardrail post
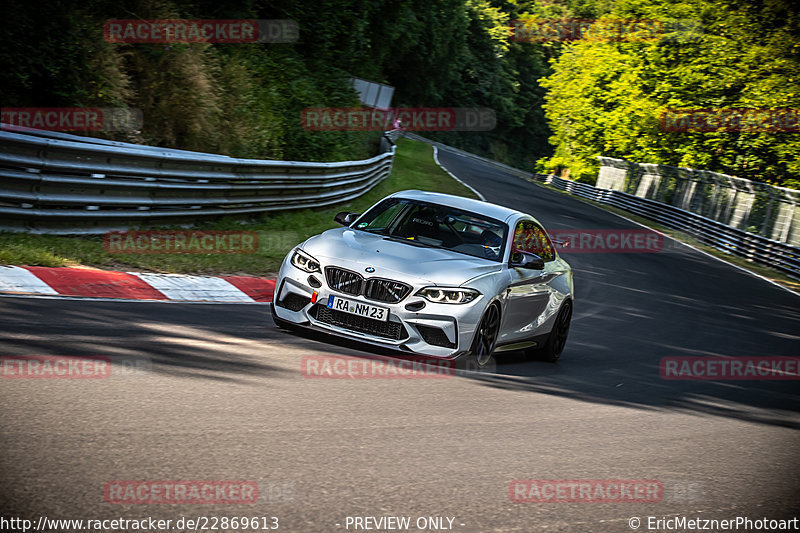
(649, 182)
(613, 173)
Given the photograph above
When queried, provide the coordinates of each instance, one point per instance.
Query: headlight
(447, 295)
(303, 261)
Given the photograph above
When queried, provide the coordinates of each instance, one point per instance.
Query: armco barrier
(67, 184)
(778, 255)
(755, 207)
(781, 256)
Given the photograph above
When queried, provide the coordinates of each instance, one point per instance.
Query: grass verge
(413, 168)
(757, 268)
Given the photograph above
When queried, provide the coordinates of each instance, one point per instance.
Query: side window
(529, 237)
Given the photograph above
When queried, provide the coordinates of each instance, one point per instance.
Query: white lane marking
(436, 159)
(17, 279)
(193, 288)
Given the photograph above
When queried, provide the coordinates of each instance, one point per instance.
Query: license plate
(358, 308)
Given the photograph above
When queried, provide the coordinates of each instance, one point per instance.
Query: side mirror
(526, 260)
(345, 218)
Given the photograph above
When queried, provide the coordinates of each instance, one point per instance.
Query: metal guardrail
(779, 255)
(772, 212)
(66, 184)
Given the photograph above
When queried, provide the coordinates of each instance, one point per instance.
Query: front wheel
(554, 345)
(480, 354)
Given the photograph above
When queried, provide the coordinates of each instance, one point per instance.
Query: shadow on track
(219, 342)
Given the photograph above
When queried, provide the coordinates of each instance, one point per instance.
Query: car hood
(357, 250)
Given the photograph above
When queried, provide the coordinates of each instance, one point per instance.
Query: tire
(557, 339)
(480, 357)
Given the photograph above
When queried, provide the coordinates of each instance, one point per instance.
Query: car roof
(498, 212)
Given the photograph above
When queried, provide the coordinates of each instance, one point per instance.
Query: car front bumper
(436, 329)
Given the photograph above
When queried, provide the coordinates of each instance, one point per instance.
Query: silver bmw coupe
(432, 274)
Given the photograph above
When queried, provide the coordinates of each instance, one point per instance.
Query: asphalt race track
(218, 394)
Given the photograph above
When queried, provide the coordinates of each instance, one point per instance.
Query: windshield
(437, 226)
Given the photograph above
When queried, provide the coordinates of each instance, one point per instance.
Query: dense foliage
(558, 105)
(606, 98)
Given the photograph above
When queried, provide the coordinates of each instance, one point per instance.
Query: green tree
(606, 98)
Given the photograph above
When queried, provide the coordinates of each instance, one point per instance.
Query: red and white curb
(94, 283)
